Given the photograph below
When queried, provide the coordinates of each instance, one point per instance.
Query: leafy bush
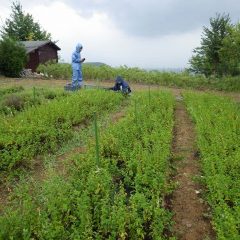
(29, 98)
(50, 95)
(13, 101)
(12, 57)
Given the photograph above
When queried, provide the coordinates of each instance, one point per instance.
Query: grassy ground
(59, 84)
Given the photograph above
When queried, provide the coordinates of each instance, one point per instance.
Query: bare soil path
(186, 203)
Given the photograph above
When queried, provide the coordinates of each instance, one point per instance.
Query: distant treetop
(21, 27)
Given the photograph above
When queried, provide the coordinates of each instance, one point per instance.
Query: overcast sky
(136, 33)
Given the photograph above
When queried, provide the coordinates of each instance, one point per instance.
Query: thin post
(97, 140)
(34, 95)
(97, 83)
(149, 96)
(135, 110)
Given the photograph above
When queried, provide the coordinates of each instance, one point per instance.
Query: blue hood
(79, 47)
(119, 79)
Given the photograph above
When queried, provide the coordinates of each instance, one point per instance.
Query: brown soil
(4, 192)
(117, 116)
(189, 209)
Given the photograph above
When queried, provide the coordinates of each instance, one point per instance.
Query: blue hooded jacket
(76, 57)
(121, 85)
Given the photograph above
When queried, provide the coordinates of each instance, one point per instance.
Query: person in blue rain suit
(121, 85)
(77, 77)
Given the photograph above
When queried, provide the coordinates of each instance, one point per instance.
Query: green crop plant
(120, 199)
(218, 128)
(12, 102)
(46, 127)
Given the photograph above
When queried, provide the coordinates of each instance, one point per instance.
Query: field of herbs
(117, 194)
(43, 128)
(136, 75)
(218, 137)
(16, 99)
(118, 186)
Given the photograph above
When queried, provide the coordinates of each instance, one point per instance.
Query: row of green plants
(55, 70)
(116, 194)
(17, 99)
(8, 90)
(46, 127)
(218, 128)
(137, 75)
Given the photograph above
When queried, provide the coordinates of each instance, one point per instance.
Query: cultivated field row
(118, 187)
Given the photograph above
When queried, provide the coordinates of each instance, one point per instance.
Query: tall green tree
(22, 27)
(206, 58)
(230, 52)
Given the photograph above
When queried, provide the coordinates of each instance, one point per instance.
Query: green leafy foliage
(46, 127)
(21, 26)
(12, 57)
(218, 127)
(14, 89)
(56, 70)
(17, 99)
(121, 199)
(218, 54)
(206, 59)
(137, 75)
(230, 51)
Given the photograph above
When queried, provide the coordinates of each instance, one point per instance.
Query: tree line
(219, 53)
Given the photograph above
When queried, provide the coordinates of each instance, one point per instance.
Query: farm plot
(218, 128)
(46, 127)
(118, 194)
(16, 99)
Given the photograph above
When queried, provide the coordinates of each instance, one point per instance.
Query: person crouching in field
(77, 77)
(121, 85)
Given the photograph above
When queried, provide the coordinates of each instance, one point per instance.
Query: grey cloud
(149, 18)
(152, 18)
(24, 3)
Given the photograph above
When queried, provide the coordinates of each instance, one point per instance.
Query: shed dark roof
(33, 45)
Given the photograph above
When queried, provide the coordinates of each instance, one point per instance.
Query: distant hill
(96, 64)
(175, 70)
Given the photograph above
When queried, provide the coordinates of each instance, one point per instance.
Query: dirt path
(186, 201)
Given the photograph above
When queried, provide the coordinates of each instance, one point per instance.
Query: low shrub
(13, 101)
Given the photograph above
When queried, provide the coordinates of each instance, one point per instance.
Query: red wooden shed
(40, 52)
